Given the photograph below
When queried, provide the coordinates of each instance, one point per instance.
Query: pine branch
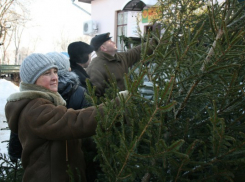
(211, 51)
(212, 161)
(181, 107)
(138, 139)
(146, 177)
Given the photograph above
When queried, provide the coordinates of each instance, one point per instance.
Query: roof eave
(85, 1)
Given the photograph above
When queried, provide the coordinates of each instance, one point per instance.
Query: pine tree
(193, 129)
(10, 171)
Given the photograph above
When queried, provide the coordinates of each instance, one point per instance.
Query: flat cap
(98, 40)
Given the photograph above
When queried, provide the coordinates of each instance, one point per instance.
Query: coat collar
(107, 56)
(32, 91)
(75, 66)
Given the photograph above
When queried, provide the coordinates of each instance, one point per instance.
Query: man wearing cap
(109, 60)
(80, 57)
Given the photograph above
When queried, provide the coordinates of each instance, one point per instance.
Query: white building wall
(104, 13)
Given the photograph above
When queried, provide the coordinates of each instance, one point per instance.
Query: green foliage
(193, 129)
(74, 174)
(128, 41)
(10, 171)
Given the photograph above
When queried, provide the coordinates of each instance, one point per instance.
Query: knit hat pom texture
(61, 61)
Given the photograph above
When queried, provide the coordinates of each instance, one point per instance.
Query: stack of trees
(193, 129)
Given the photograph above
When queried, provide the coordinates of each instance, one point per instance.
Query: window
(122, 19)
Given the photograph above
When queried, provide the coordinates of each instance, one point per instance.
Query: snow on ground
(6, 89)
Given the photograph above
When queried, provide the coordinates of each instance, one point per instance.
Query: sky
(6, 88)
(52, 21)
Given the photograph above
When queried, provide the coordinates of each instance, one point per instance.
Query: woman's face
(49, 80)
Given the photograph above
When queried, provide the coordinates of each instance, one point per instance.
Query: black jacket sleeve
(78, 99)
(15, 148)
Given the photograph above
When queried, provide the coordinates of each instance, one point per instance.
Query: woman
(49, 132)
(74, 95)
(80, 57)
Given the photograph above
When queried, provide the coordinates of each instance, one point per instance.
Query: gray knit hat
(61, 61)
(34, 66)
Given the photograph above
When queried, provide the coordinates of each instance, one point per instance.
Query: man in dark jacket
(108, 58)
(80, 57)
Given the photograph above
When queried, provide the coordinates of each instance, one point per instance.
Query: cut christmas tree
(193, 127)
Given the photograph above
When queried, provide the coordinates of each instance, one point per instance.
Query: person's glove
(123, 94)
(147, 90)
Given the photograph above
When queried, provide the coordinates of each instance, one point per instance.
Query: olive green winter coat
(117, 65)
